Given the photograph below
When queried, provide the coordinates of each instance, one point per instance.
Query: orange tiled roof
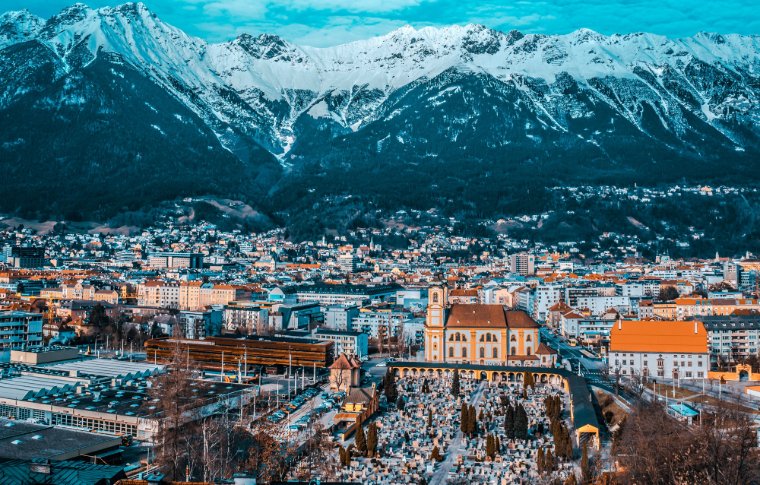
(659, 336)
(520, 319)
(478, 315)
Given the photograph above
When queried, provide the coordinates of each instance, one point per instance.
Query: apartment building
(19, 330)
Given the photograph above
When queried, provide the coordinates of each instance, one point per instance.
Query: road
(592, 369)
(455, 449)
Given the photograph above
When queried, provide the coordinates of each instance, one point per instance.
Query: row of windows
(488, 337)
(482, 352)
(111, 427)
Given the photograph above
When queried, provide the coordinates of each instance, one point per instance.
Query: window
(482, 353)
(512, 351)
(464, 351)
(435, 297)
(495, 353)
(527, 338)
(527, 351)
(513, 339)
(451, 351)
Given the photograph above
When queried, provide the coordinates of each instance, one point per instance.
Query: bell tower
(438, 297)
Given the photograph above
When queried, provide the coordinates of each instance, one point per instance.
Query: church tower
(438, 297)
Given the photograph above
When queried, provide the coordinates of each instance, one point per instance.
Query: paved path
(455, 449)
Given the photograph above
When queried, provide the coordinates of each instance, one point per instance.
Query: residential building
(339, 317)
(200, 324)
(522, 264)
(733, 337)
(248, 317)
(326, 294)
(27, 257)
(350, 343)
(19, 330)
(162, 260)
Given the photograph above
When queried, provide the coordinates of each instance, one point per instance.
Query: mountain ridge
(456, 103)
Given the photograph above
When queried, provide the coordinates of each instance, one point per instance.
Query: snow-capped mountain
(629, 105)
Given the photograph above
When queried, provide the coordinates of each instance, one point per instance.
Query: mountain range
(111, 109)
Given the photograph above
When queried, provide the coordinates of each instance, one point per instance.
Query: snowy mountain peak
(267, 87)
(18, 26)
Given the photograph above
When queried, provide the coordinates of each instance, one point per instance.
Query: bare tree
(656, 448)
(637, 384)
(176, 447)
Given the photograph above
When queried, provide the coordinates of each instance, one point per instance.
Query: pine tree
(361, 440)
(489, 445)
(401, 403)
(540, 460)
(585, 467)
(430, 418)
(497, 444)
(371, 440)
(521, 423)
(549, 461)
(455, 384)
(571, 480)
(528, 380)
(509, 422)
(464, 420)
(389, 387)
(341, 455)
(435, 454)
(480, 415)
(472, 416)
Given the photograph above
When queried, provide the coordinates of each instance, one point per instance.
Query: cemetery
(440, 427)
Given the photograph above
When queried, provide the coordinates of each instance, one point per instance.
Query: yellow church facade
(481, 334)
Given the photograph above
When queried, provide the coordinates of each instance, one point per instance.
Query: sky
(332, 22)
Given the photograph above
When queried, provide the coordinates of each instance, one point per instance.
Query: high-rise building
(522, 264)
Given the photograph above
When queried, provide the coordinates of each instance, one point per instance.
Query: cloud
(331, 22)
(229, 9)
(366, 6)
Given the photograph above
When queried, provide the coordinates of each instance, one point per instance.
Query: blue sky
(331, 22)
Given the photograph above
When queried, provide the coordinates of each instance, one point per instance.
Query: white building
(522, 264)
(546, 297)
(661, 350)
(350, 343)
(250, 318)
(339, 317)
(598, 305)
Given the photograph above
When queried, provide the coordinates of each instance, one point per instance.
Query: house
(345, 373)
(360, 404)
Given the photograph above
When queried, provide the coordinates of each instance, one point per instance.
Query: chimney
(620, 324)
(41, 466)
(695, 326)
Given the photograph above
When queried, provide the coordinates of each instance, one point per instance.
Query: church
(475, 333)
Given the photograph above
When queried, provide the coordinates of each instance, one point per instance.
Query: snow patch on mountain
(261, 85)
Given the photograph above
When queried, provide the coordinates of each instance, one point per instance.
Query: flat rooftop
(113, 368)
(26, 441)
